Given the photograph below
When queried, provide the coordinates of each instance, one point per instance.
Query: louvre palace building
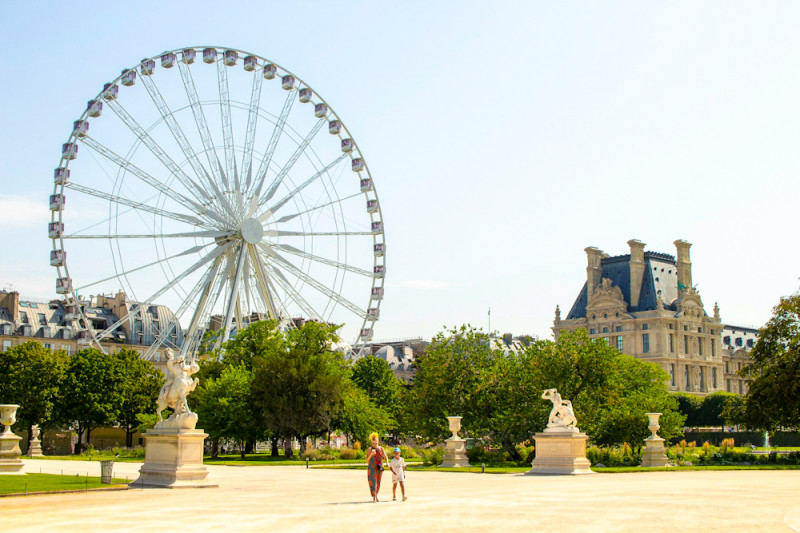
(645, 305)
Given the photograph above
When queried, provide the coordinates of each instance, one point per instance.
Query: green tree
(610, 391)
(258, 339)
(773, 397)
(31, 377)
(373, 376)
(713, 408)
(141, 383)
(360, 415)
(224, 406)
(92, 392)
(690, 406)
(298, 390)
(456, 376)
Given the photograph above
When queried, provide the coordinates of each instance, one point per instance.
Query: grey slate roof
(660, 274)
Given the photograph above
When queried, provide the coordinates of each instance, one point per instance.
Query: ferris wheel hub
(252, 231)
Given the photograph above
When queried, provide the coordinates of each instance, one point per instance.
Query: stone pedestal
(9, 443)
(654, 453)
(35, 445)
(455, 454)
(560, 451)
(10, 462)
(174, 459)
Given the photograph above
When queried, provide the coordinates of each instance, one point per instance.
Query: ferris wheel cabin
(69, 150)
(230, 57)
(95, 108)
(110, 91)
(320, 110)
(287, 82)
(128, 77)
(270, 71)
(63, 285)
(80, 128)
(148, 66)
(357, 165)
(377, 293)
(250, 63)
(57, 257)
(168, 60)
(334, 127)
(57, 202)
(209, 55)
(305, 95)
(188, 55)
(379, 249)
(55, 229)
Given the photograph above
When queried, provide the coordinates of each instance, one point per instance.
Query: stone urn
(9, 443)
(653, 424)
(35, 445)
(8, 416)
(455, 425)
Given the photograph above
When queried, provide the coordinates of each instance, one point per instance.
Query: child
(398, 466)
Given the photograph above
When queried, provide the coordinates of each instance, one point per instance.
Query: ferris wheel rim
(58, 217)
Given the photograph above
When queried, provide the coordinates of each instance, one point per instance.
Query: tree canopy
(773, 398)
(32, 376)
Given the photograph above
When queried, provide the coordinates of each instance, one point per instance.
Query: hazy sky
(503, 137)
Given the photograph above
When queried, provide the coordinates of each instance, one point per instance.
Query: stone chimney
(637, 269)
(10, 300)
(594, 272)
(684, 264)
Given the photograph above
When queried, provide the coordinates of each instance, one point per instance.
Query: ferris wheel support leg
(237, 281)
(201, 305)
(263, 286)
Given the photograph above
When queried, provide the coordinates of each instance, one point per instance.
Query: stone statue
(696, 377)
(562, 417)
(173, 394)
(558, 313)
(716, 310)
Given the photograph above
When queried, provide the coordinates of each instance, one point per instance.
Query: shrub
(350, 453)
(433, 456)
(356, 445)
(317, 455)
(408, 452)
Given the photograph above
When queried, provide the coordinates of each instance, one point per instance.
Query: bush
(317, 455)
(613, 456)
(408, 452)
(350, 454)
(432, 456)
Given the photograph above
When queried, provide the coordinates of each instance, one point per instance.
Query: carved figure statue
(562, 415)
(558, 313)
(178, 385)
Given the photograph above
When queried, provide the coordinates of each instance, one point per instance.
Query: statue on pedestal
(173, 394)
(562, 416)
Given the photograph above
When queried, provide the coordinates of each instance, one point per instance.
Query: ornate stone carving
(9, 443)
(455, 447)
(173, 394)
(607, 289)
(562, 417)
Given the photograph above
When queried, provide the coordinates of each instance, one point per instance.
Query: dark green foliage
(92, 392)
(141, 383)
(298, 390)
(773, 399)
(31, 376)
(373, 376)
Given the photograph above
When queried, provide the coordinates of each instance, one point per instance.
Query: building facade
(645, 305)
(737, 341)
(54, 324)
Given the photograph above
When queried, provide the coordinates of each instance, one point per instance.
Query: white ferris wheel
(216, 183)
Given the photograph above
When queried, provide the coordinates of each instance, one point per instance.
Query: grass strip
(51, 483)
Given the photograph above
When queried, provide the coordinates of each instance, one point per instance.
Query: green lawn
(101, 457)
(50, 482)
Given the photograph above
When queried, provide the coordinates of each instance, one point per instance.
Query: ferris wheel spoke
(333, 295)
(281, 233)
(199, 116)
(287, 218)
(227, 126)
(138, 206)
(172, 124)
(192, 186)
(148, 179)
(292, 160)
(191, 250)
(299, 253)
(171, 283)
(250, 133)
(293, 294)
(271, 211)
(263, 167)
(184, 306)
(212, 234)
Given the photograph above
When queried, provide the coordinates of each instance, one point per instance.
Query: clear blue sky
(503, 137)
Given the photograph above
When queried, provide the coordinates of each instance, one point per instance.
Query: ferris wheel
(217, 184)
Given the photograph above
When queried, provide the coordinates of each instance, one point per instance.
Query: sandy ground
(290, 498)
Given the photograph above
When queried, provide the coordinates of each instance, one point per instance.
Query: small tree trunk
(249, 446)
(129, 431)
(287, 448)
(242, 450)
(215, 448)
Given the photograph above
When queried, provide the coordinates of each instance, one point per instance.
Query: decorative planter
(8, 416)
(9, 443)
